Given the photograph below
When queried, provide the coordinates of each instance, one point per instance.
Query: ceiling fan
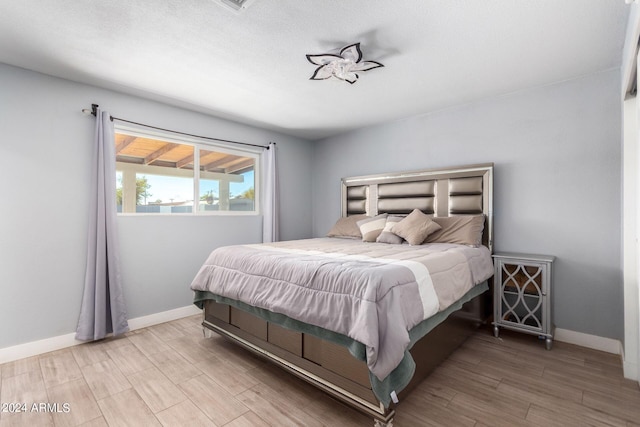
(344, 66)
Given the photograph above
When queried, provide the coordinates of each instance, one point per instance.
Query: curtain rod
(94, 112)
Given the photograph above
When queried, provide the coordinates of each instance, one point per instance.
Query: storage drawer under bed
(330, 356)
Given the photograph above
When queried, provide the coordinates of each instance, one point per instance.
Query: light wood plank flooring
(169, 375)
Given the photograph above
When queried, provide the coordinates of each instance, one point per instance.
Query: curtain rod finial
(93, 111)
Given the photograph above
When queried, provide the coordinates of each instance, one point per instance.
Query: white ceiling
(251, 66)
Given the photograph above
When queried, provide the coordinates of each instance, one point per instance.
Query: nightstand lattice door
(522, 295)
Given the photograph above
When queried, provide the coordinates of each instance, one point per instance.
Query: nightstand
(522, 294)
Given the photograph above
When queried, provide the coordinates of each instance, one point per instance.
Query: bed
(363, 314)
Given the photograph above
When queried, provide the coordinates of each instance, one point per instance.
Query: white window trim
(199, 143)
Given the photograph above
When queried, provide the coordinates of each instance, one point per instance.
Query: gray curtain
(271, 196)
(103, 310)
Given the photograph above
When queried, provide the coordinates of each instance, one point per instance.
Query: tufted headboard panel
(465, 190)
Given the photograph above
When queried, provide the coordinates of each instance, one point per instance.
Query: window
(156, 174)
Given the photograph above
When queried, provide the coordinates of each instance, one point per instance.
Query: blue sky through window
(177, 189)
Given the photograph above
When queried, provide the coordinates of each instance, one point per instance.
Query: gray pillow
(415, 227)
(347, 227)
(387, 236)
(461, 229)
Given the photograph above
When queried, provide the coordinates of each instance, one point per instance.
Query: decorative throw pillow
(415, 227)
(461, 229)
(387, 236)
(370, 228)
(347, 227)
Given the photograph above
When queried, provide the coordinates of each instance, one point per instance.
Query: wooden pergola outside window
(138, 156)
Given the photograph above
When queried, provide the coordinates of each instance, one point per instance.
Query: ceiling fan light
(343, 66)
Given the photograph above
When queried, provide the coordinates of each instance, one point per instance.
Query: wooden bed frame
(443, 192)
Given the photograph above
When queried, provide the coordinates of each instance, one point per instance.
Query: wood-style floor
(170, 375)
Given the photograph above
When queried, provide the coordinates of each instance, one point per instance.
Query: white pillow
(370, 228)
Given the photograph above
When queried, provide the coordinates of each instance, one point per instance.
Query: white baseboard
(630, 370)
(594, 342)
(165, 316)
(9, 354)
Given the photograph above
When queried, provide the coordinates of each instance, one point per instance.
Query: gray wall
(45, 150)
(557, 191)
(557, 155)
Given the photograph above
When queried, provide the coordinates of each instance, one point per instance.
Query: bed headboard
(464, 190)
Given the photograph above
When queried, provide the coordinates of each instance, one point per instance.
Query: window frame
(198, 144)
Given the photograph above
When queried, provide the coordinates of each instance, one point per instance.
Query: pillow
(415, 227)
(370, 228)
(387, 236)
(463, 230)
(347, 227)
